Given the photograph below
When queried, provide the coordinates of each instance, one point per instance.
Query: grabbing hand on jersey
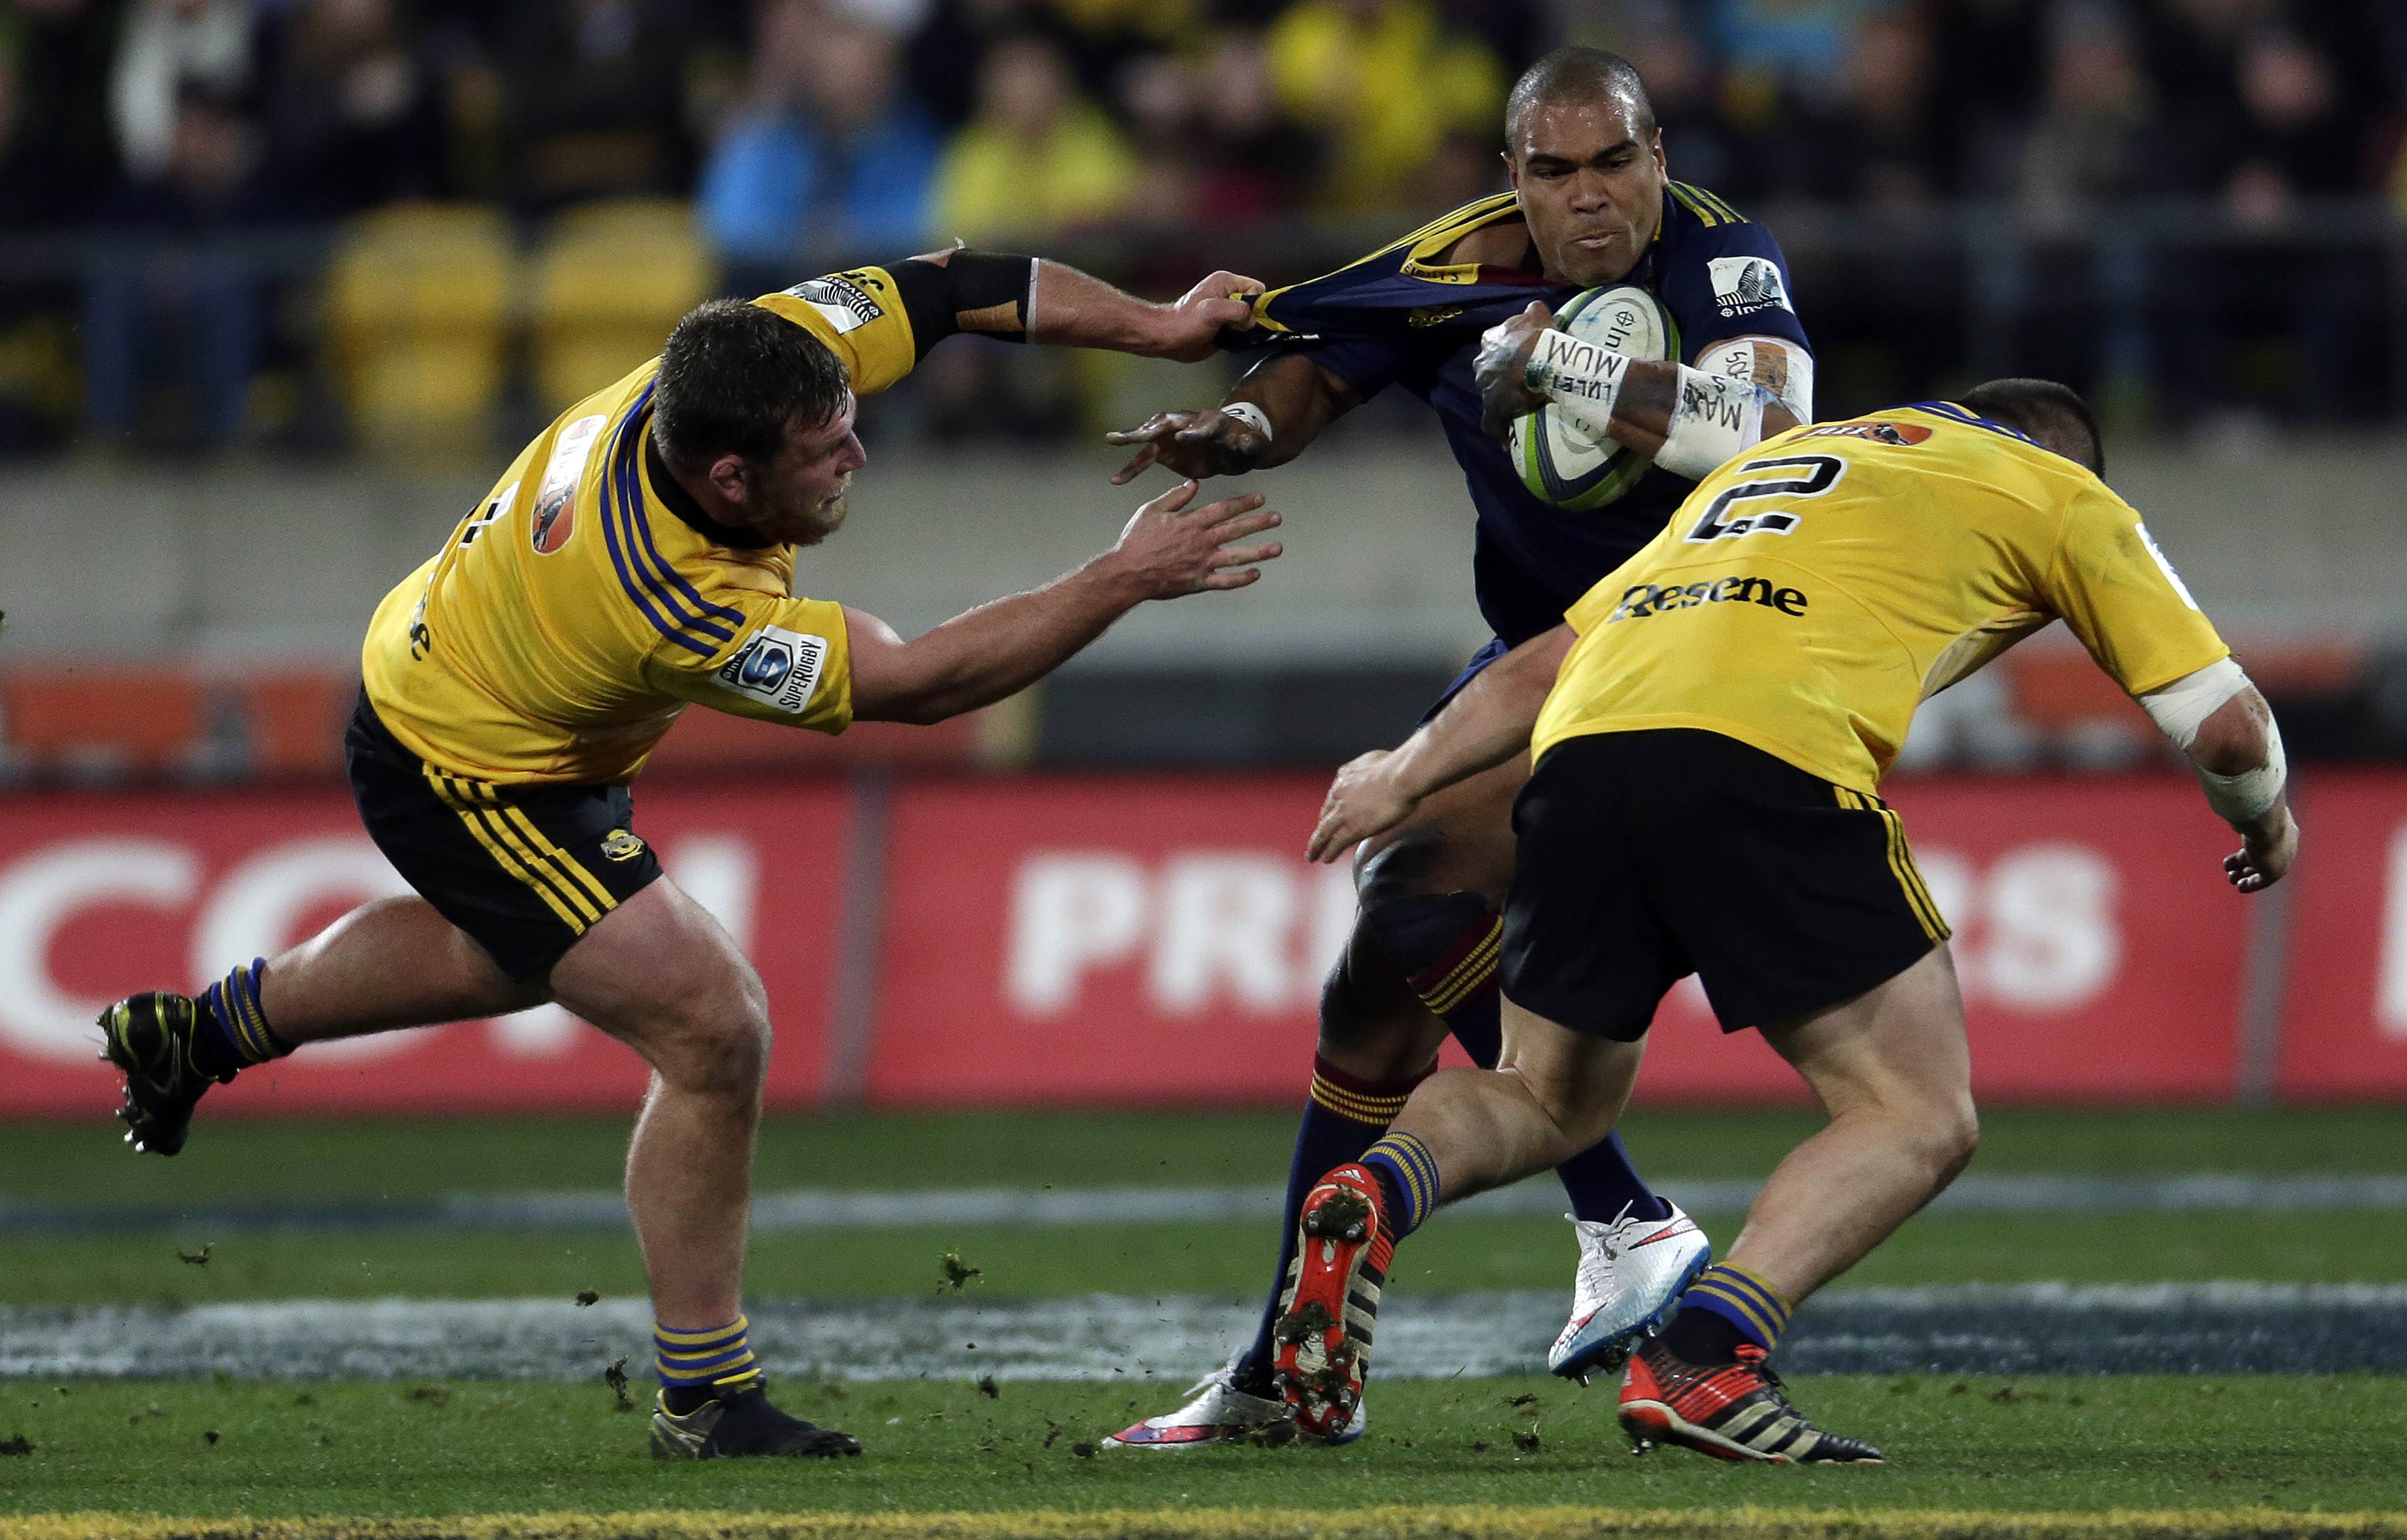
(1191, 328)
(1169, 549)
(1210, 443)
(1501, 368)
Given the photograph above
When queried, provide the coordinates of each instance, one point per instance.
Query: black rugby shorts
(1646, 856)
(525, 870)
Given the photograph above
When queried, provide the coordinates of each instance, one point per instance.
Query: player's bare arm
(978, 657)
(2222, 723)
(1487, 724)
(1271, 418)
(1035, 298)
(1740, 393)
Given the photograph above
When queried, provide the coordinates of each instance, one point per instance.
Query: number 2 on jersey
(1792, 477)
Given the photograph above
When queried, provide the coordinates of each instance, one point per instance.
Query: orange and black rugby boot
(1320, 1346)
(1731, 1411)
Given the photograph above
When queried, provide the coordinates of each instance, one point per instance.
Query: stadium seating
(609, 281)
(417, 311)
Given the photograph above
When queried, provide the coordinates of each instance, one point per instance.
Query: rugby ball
(1560, 460)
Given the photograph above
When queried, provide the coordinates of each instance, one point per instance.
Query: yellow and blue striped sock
(1410, 1173)
(692, 1364)
(242, 1038)
(1744, 1302)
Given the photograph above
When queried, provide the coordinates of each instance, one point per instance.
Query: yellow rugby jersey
(570, 618)
(1809, 594)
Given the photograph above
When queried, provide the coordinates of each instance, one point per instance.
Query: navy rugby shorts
(525, 870)
(1645, 857)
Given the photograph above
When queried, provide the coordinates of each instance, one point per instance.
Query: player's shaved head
(2054, 416)
(734, 377)
(1571, 76)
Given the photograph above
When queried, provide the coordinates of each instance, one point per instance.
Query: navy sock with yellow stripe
(1346, 1114)
(1726, 1307)
(240, 1037)
(1408, 1170)
(691, 1366)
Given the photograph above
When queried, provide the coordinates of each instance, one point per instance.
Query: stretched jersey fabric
(1401, 317)
(1809, 595)
(569, 618)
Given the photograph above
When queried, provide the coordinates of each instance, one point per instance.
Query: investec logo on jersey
(1899, 434)
(1744, 285)
(842, 301)
(1647, 598)
(779, 665)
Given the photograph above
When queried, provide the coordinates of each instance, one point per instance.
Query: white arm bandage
(2182, 707)
(1580, 377)
(1716, 410)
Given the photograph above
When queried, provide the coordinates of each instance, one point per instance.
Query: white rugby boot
(1218, 1412)
(1632, 1272)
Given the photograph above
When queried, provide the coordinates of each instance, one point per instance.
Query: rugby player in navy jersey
(1592, 204)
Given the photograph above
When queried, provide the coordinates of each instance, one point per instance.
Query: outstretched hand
(1191, 328)
(1195, 444)
(1170, 549)
(1363, 801)
(1501, 367)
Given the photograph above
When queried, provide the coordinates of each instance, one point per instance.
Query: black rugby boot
(734, 1422)
(150, 1038)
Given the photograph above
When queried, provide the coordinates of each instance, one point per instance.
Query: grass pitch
(215, 1449)
(2164, 1456)
(370, 1162)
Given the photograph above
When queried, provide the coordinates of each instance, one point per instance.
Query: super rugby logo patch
(1744, 285)
(842, 301)
(777, 666)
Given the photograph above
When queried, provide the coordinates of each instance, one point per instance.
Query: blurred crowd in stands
(174, 144)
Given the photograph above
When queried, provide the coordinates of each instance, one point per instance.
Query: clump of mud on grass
(954, 1273)
(615, 1376)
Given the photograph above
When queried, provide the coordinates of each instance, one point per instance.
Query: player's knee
(719, 1043)
(1405, 867)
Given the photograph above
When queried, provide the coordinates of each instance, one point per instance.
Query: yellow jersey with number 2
(1809, 594)
(571, 617)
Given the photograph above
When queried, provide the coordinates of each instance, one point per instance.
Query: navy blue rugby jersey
(1399, 316)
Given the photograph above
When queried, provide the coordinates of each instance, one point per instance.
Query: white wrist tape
(1581, 377)
(2249, 796)
(1251, 415)
(2182, 707)
(1714, 419)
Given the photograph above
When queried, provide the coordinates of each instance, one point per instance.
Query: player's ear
(1512, 169)
(731, 478)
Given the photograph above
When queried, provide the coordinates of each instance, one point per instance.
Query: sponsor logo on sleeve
(555, 512)
(1744, 285)
(777, 666)
(841, 303)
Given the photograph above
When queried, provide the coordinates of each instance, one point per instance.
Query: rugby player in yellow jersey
(636, 558)
(1708, 728)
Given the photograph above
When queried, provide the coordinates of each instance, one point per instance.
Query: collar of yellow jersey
(671, 494)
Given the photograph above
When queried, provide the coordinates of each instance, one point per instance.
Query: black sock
(1702, 1337)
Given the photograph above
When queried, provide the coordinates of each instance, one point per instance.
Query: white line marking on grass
(1163, 1343)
